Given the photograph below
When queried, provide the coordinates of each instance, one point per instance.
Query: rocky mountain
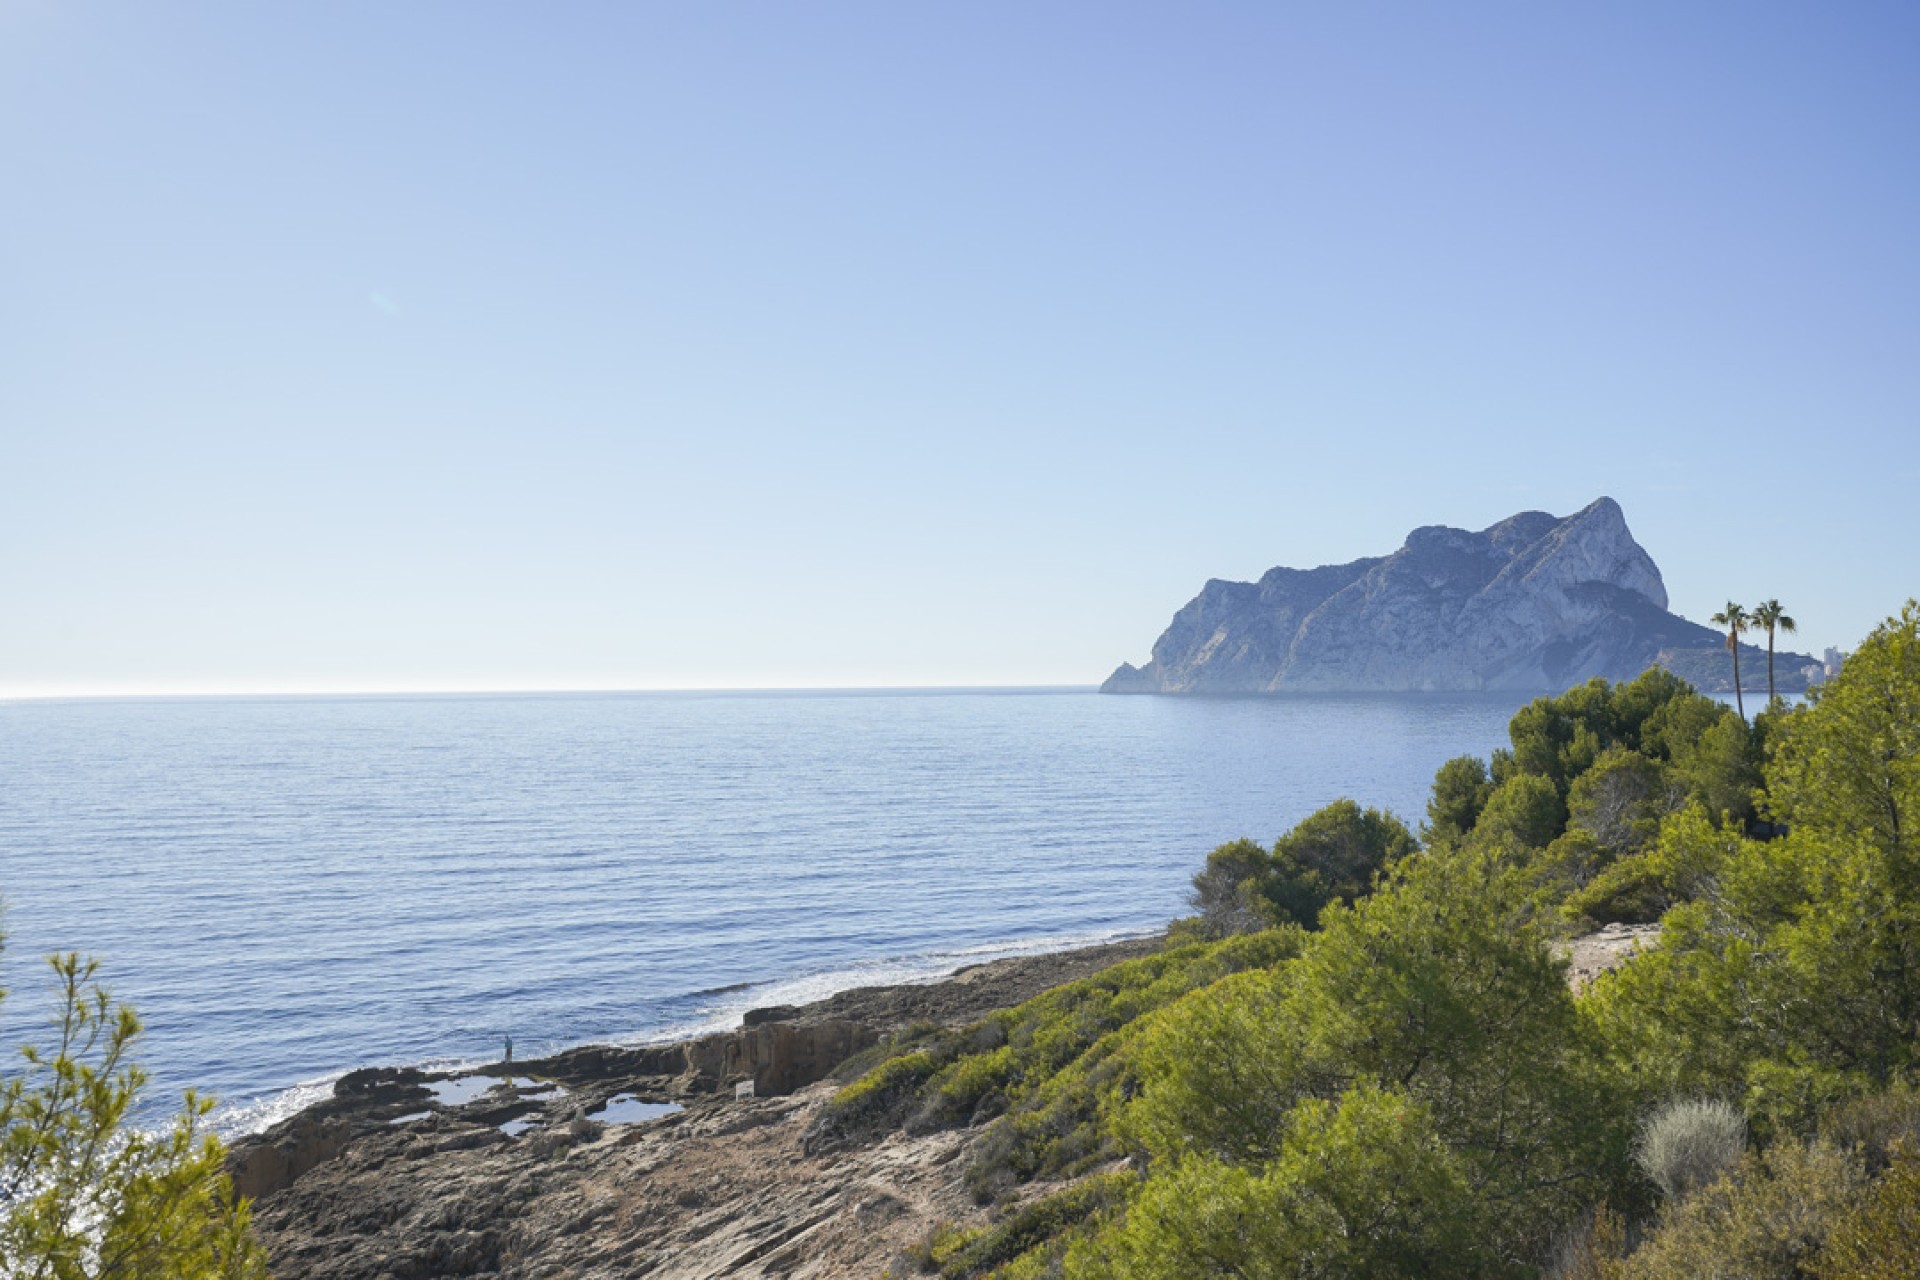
(1533, 603)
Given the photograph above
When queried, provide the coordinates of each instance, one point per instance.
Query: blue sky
(375, 346)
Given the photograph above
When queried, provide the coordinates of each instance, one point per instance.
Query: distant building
(1830, 662)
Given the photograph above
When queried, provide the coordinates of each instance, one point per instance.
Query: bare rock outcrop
(518, 1183)
(1534, 603)
(317, 1165)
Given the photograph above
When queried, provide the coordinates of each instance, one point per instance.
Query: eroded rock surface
(517, 1179)
(726, 1186)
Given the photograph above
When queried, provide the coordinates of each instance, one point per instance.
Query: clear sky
(459, 345)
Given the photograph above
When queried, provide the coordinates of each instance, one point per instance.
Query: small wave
(241, 1118)
(913, 969)
(238, 1119)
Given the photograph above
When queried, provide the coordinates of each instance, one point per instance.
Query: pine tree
(84, 1195)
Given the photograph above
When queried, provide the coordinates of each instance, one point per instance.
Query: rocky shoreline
(520, 1170)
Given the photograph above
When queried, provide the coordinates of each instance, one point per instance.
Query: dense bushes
(1045, 1066)
(1795, 982)
(1332, 856)
(1879, 1237)
(1361, 1185)
(1404, 1085)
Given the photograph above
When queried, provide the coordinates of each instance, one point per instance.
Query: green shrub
(1876, 1125)
(875, 1103)
(1442, 982)
(938, 1078)
(1525, 810)
(1880, 1238)
(1791, 978)
(1332, 855)
(1460, 791)
(1363, 1187)
(84, 1193)
(1034, 1230)
(1766, 1218)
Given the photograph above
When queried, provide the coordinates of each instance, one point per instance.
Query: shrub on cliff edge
(82, 1194)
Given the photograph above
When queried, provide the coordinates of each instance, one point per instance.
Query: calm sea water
(289, 888)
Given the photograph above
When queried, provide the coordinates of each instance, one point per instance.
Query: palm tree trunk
(1771, 696)
(1733, 643)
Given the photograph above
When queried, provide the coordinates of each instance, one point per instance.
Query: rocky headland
(701, 1167)
(1534, 603)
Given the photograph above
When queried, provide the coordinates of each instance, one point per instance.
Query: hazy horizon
(360, 347)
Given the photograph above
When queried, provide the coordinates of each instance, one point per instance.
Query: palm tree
(1770, 615)
(1735, 620)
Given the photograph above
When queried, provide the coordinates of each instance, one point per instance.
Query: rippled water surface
(288, 888)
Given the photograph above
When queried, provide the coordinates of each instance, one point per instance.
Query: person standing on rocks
(509, 1057)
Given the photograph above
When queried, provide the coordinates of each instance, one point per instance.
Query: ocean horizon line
(522, 691)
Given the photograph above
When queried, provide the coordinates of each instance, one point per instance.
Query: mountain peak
(1535, 601)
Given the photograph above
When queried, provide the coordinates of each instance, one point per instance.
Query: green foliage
(1658, 712)
(876, 1102)
(1058, 1124)
(1879, 1238)
(1567, 866)
(1361, 1186)
(1032, 1234)
(1411, 1089)
(1460, 791)
(1525, 811)
(1795, 978)
(1766, 1219)
(1620, 801)
(1877, 1126)
(1591, 774)
(1677, 718)
(1226, 890)
(83, 1194)
(1720, 768)
(1044, 1067)
(1683, 863)
(1557, 738)
(1852, 762)
(1441, 985)
(1333, 855)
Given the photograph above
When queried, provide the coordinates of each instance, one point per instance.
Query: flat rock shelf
(506, 1172)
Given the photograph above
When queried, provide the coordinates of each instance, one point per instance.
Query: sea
(287, 888)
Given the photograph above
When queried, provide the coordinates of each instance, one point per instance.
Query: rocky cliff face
(1533, 603)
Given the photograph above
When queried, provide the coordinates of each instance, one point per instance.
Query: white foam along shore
(257, 1114)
